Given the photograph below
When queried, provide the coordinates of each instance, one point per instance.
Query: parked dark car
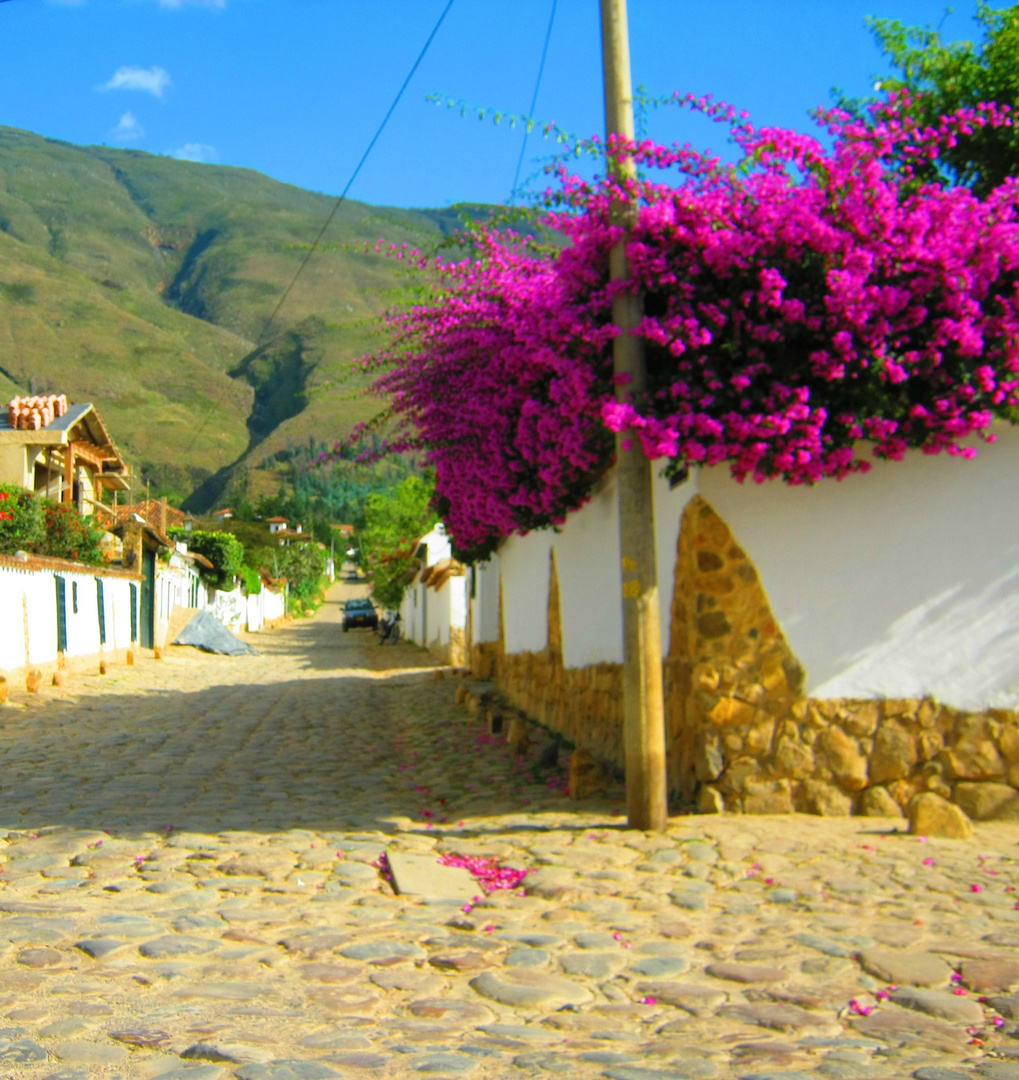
(360, 613)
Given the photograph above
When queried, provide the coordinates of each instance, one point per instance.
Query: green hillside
(142, 283)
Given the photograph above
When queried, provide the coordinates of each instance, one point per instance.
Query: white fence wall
(263, 607)
(901, 583)
(230, 608)
(589, 570)
(28, 626)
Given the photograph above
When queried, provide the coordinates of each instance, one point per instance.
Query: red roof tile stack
(38, 411)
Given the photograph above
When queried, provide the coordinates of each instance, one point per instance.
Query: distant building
(223, 515)
(277, 524)
(60, 450)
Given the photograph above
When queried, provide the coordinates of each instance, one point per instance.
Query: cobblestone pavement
(188, 891)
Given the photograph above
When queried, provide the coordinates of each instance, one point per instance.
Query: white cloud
(128, 129)
(195, 151)
(153, 80)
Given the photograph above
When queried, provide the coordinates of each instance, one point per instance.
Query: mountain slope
(145, 284)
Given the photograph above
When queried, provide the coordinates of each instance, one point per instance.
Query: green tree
(394, 521)
(222, 549)
(951, 75)
(303, 566)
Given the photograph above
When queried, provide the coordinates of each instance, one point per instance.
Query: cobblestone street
(189, 889)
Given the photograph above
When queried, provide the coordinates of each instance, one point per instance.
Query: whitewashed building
(434, 609)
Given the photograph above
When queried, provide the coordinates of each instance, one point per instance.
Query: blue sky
(295, 88)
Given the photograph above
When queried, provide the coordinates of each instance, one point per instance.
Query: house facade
(434, 608)
(61, 450)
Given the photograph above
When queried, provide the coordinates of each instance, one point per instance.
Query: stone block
(1008, 744)
(768, 797)
(793, 759)
(847, 763)
(737, 773)
(815, 797)
(973, 759)
(758, 739)
(927, 713)
(710, 801)
(894, 753)
(517, 739)
(422, 875)
(5, 690)
(587, 775)
(930, 744)
(709, 760)
(931, 815)
(730, 710)
(862, 718)
(33, 681)
(876, 802)
(987, 801)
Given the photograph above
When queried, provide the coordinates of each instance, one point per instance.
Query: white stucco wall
(12, 621)
(590, 578)
(40, 596)
(83, 624)
(34, 591)
(525, 563)
(902, 582)
(485, 605)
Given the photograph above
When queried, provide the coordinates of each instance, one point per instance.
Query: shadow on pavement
(352, 751)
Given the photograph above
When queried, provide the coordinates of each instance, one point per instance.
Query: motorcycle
(389, 628)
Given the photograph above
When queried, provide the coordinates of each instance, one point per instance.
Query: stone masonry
(741, 734)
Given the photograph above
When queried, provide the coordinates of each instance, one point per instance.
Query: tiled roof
(35, 412)
(150, 510)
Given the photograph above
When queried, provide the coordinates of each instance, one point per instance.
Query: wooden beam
(69, 473)
(88, 452)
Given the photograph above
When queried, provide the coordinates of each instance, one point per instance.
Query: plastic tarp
(210, 635)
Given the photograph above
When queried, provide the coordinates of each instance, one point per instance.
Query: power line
(534, 99)
(336, 205)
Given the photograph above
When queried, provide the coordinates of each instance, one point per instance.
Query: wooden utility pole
(643, 706)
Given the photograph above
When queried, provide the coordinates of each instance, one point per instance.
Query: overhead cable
(534, 99)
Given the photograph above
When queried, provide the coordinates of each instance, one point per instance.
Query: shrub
(69, 535)
(303, 565)
(21, 520)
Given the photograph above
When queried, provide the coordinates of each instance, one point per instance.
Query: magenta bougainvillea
(805, 309)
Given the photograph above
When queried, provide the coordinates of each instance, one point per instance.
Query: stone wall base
(741, 735)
